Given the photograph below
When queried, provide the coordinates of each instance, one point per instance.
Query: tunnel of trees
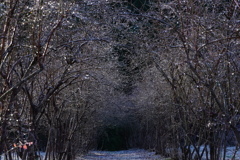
(78, 75)
(113, 138)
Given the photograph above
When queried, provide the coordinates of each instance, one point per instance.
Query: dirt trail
(135, 154)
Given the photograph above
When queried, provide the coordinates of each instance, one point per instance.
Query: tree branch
(20, 83)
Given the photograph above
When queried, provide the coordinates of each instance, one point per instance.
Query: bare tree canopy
(77, 75)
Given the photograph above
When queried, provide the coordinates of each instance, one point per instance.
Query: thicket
(113, 75)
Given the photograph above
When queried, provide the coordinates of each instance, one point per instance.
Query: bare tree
(42, 55)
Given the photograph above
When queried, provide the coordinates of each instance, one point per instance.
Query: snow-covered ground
(16, 157)
(230, 151)
(135, 154)
(140, 154)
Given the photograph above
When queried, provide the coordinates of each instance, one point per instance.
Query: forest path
(135, 154)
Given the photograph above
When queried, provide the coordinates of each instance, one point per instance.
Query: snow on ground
(140, 154)
(135, 154)
(132, 154)
(230, 151)
(16, 157)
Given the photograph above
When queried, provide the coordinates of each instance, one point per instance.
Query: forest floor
(135, 154)
(140, 154)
